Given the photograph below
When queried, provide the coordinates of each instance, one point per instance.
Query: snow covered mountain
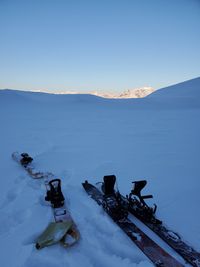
(130, 93)
(80, 137)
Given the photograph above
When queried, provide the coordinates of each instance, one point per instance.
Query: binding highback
(109, 183)
(54, 194)
(138, 186)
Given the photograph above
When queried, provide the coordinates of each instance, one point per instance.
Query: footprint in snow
(11, 196)
(39, 260)
(6, 223)
(9, 221)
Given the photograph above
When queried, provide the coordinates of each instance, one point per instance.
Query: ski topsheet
(152, 250)
(170, 237)
(63, 230)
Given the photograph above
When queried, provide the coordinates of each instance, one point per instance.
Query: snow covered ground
(80, 137)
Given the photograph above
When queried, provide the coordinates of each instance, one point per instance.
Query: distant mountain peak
(136, 93)
(129, 93)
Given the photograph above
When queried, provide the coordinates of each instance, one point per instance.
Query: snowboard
(63, 229)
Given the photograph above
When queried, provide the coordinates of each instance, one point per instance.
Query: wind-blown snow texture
(80, 137)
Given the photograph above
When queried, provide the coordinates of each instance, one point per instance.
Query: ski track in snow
(84, 137)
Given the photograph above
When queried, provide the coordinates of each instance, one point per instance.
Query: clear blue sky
(98, 44)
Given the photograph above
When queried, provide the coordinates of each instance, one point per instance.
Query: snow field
(80, 137)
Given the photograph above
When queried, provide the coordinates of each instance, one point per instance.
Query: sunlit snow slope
(80, 137)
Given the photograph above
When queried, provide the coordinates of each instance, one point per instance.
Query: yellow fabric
(53, 233)
(71, 237)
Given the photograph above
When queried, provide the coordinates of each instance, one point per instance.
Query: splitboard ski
(119, 215)
(138, 207)
(63, 229)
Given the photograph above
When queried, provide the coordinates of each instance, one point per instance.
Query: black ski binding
(137, 203)
(54, 194)
(112, 202)
(26, 159)
(108, 185)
